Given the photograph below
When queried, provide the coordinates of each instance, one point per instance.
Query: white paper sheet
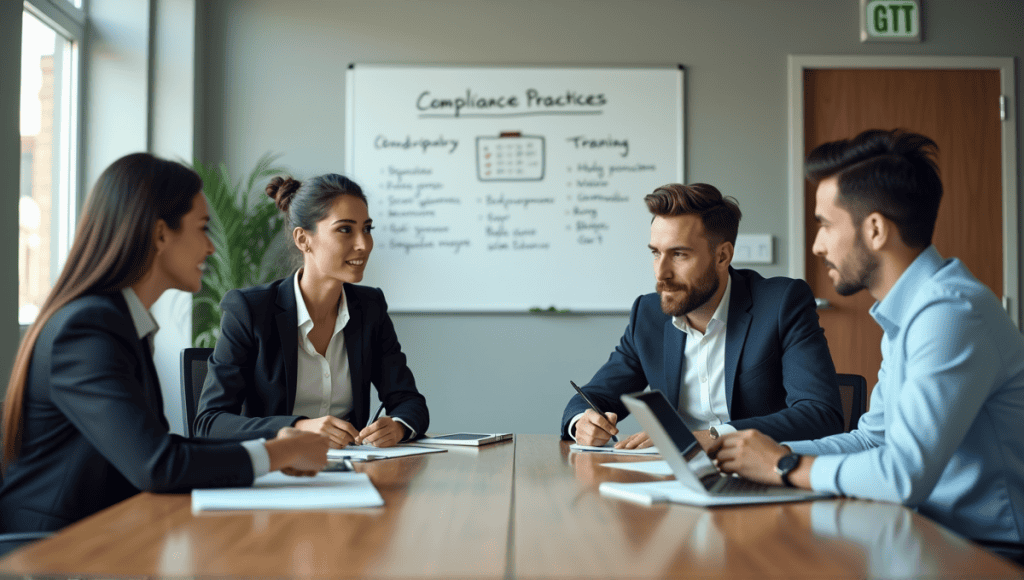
(649, 467)
(369, 452)
(652, 492)
(610, 449)
(277, 491)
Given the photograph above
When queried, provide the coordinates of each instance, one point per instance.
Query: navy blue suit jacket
(94, 431)
(779, 375)
(252, 380)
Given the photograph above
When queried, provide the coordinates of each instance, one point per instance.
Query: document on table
(649, 467)
(610, 449)
(370, 453)
(277, 491)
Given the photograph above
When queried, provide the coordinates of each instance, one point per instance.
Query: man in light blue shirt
(944, 430)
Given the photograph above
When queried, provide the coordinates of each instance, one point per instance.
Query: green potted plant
(244, 226)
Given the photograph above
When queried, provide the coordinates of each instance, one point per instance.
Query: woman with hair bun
(302, 351)
(84, 425)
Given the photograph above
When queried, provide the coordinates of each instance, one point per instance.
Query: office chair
(194, 362)
(853, 390)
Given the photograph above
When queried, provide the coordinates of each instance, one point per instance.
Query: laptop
(698, 481)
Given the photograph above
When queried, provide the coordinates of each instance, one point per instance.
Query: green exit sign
(890, 20)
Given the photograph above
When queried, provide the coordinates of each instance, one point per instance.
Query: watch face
(787, 463)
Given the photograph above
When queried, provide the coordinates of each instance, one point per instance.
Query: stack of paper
(370, 453)
(277, 491)
(649, 467)
(610, 449)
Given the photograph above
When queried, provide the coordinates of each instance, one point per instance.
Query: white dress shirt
(146, 327)
(324, 383)
(702, 403)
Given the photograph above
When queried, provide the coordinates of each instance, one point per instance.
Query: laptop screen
(680, 434)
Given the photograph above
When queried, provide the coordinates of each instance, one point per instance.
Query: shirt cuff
(801, 447)
(724, 429)
(411, 433)
(825, 473)
(259, 456)
(572, 425)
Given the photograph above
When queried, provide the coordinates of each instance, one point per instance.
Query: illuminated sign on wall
(890, 20)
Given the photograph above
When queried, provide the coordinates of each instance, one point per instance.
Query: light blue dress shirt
(945, 430)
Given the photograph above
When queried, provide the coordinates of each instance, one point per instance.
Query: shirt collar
(721, 312)
(887, 312)
(303, 313)
(144, 322)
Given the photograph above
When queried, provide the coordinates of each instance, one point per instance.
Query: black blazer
(251, 383)
(94, 431)
(779, 376)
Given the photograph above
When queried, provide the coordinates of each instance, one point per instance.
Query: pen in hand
(377, 414)
(592, 405)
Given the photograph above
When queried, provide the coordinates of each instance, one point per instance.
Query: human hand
(639, 440)
(339, 431)
(384, 432)
(596, 429)
(749, 453)
(704, 438)
(297, 452)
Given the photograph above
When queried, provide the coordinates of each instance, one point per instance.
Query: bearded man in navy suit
(730, 348)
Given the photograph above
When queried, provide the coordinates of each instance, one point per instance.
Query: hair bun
(282, 190)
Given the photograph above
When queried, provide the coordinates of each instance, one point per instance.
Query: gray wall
(272, 78)
(10, 167)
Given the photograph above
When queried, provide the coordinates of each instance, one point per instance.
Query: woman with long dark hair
(83, 421)
(303, 351)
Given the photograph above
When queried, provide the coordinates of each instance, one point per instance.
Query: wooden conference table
(526, 508)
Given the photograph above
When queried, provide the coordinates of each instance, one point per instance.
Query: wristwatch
(785, 466)
(713, 433)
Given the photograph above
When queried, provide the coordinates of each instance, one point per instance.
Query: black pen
(592, 405)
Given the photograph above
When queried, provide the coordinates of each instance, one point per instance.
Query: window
(49, 132)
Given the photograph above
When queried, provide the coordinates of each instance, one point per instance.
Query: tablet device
(474, 439)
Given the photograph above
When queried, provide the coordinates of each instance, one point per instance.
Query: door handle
(822, 304)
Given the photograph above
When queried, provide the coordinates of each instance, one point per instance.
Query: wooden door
(959, 110)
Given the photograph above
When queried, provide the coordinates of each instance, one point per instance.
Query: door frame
(797, 64)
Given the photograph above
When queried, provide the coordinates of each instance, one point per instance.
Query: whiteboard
(497, 189)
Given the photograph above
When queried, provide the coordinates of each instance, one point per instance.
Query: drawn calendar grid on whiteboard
(510, 156)
(554, 216)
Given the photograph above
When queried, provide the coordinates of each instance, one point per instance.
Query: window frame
(68, 21)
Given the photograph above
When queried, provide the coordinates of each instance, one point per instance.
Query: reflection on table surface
(526, 508)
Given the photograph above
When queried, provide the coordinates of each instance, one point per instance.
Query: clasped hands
(302, 450)
(749, 453)
(384, 432)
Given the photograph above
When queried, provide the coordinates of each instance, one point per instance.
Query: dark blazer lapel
(736, 331)
(150, 380)
(354, 349)
(675, 342)
(287, 320)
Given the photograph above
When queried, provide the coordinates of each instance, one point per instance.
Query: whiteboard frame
(349, 156)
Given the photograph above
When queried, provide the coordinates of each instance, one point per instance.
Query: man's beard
(865, 267)
(695, 297)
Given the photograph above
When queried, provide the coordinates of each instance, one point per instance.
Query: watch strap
(785, 466)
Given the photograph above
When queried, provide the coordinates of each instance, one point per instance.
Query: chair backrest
(194, 362)
(853, 390)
